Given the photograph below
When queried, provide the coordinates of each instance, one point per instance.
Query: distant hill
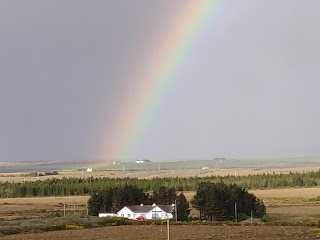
(216, 163)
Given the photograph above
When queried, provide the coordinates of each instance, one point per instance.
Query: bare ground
(192, 232)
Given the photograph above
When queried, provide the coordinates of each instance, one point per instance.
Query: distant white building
(142, 161)
(89, 170)
(116, 162)
(144, 212)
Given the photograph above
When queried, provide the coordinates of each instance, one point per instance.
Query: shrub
(74, 227)
(266, 218)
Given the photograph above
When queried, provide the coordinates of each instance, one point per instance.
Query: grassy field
(149, 174)
(295, 206)
(283, 205)
(287, 206)
(216, 164)
(292, 205)
(41, 207)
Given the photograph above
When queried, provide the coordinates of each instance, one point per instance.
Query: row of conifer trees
(215, 201)
(85, 186)
(113, 199)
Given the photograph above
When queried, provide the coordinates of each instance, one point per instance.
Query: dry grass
(292, 204)
(285, 206)
(40, 207)
(149, 174)
(288, 205)
(303, 193)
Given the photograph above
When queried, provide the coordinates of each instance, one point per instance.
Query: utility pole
(235, 212)
(64, 209)
(168, 227)
(175, 210)
(87, 210)
(251, 217)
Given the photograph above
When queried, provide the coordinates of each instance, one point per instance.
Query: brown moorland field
(292, 206)
(149, 174)
(178, 232)
(289, 205)
(40, 207)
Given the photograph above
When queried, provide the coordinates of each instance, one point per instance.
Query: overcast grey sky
(248, 88)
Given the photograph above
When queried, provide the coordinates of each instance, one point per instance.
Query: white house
(147, 212)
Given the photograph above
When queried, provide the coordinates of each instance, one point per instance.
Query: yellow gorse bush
(74, 227)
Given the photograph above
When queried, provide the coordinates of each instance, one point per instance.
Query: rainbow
(157, 75)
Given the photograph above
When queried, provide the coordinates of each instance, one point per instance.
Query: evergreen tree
(164, 195)
(216, 201)
(182, 207)
(113, 199)
(95, 203)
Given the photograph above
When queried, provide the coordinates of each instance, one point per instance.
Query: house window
(122, 215)
(129, 215)
(155, 216)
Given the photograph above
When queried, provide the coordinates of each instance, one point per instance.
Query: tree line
(215, 201)
(113, 199)
(218, 202)
(86, 186)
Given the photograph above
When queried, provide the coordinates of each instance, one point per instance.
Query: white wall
(158, 213)
(127, 213)
(107, 214)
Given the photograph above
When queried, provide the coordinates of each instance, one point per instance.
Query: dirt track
(193, 232)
